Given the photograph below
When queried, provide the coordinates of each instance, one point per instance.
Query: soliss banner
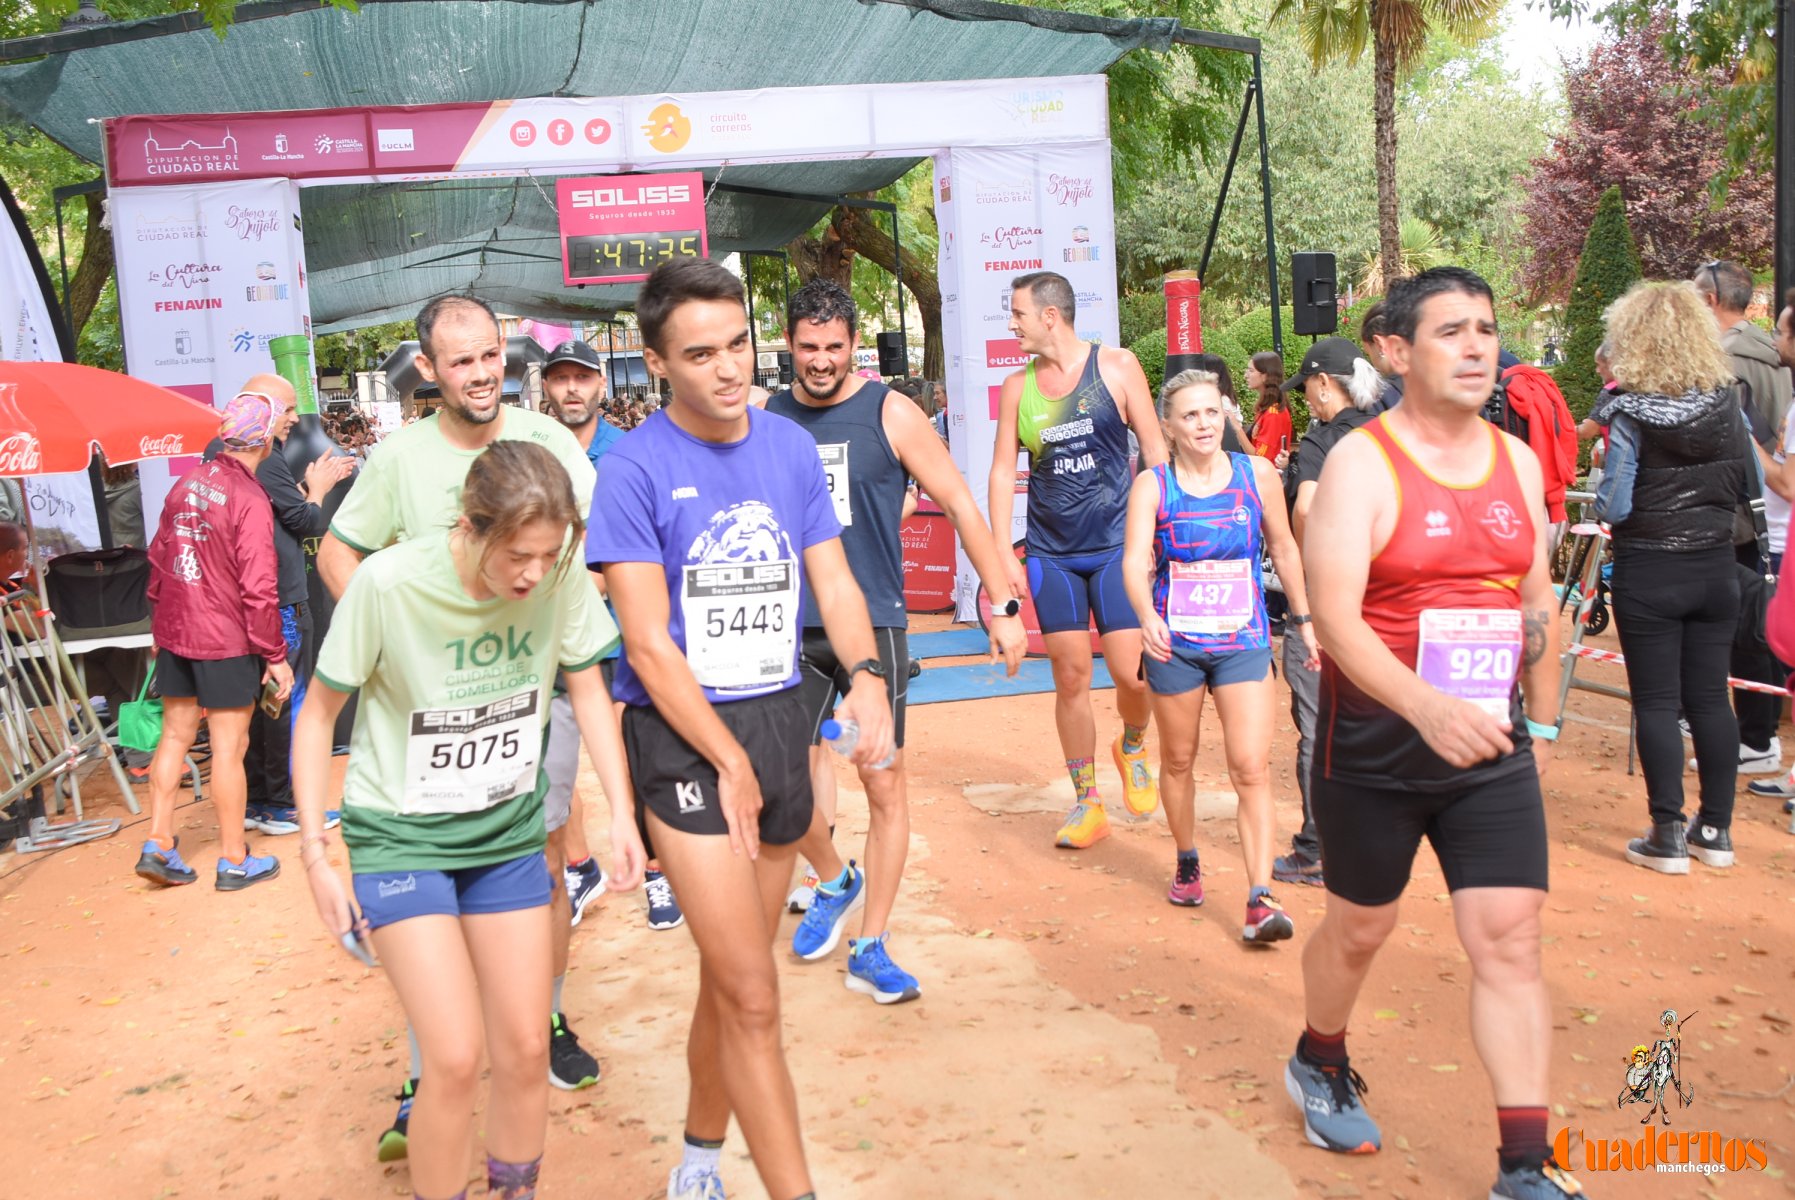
(1004, 213)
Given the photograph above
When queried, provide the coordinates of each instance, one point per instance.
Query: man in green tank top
(1073, 408)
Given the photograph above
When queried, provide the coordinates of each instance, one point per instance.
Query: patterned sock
(1187, 865)
(512, 1181)
(1084, 779)
(1322, 1049)
(1134, 738)
(1523, 1136)
(702, 1156)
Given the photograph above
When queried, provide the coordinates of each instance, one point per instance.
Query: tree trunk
(1389, 222)
(827, 257)
(96, 267)
(864, 231)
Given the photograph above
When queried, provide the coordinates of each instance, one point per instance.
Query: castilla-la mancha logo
(166, 446)
(20, 455)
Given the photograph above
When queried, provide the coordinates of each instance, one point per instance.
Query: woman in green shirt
(453, 640)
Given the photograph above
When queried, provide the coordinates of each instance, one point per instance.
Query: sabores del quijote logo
(1653, 1076)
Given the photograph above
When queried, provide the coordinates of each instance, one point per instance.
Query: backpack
(1528, 405)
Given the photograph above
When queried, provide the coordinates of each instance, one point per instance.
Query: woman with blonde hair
(1677, 469)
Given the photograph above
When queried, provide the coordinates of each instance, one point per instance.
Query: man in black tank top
(871, 441)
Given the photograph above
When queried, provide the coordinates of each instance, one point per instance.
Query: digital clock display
(626, 257)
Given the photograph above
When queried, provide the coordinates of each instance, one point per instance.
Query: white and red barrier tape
(1610, 656)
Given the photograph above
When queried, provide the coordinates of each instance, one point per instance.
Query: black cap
(1329, 356)
(573, 351)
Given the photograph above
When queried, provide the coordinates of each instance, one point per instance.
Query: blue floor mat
(950, 643)
(980, 681)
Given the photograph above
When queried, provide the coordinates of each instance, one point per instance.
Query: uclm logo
(168, 445)
(20, 455)
(641, 197)
(1654, 1078)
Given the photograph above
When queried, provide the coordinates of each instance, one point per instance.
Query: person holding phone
(453, 639)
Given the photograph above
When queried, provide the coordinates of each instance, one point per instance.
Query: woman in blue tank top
(1197, 530)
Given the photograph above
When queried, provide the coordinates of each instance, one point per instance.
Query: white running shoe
(1756, 762)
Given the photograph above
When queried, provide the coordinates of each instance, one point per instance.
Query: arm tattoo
(1533, 623)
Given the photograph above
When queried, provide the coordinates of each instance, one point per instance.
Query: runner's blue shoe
(1536, 1181)
(820, 930)
(585, 883)
(704, 1185)
(164, 867)
(872, 973)
(254, 869)
(275, 820)
(1333, 1117)
(663, 908)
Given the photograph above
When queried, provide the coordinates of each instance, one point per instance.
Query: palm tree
(1421, 248)
(1397, 31)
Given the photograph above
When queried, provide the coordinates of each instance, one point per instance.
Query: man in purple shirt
(714, 516)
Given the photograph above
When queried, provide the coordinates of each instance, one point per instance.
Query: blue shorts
(1191, 669)
(1068, 591)
(517, 883)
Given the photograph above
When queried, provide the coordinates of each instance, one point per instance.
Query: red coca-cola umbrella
(53, 416)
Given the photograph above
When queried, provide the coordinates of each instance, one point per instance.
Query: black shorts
(215, 683)
(679, 785)
(1490, 833)
(823, 680)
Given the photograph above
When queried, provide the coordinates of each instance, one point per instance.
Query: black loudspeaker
(1312, 293)
(785, 368)
(891, 354)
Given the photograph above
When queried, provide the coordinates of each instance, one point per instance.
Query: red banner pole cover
(1184, 321)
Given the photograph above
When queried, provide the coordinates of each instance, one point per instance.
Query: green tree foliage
(1734, 39)
(1398, 33)
(1609, 266)
(1471, 127)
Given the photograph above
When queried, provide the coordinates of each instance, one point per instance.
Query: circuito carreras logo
(668, 129)
(1653, 1075)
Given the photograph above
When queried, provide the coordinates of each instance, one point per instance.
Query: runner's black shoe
(570, 1067)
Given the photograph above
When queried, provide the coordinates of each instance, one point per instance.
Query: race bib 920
(1472, 653)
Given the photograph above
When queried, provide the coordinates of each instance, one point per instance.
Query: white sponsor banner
(1003, 213)
(61, 507)
(552, 135)
(208, 275)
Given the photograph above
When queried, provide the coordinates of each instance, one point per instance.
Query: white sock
(698, 1161)
(554, 1004)
(417, 1055)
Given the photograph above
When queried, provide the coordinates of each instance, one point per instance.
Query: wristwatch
(870, 665)
(1009, 608)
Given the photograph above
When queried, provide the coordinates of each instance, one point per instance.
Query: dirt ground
(1077, 1036)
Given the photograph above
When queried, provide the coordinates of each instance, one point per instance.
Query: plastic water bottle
(843, 735)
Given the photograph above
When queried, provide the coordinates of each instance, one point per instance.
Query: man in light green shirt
(411, 486)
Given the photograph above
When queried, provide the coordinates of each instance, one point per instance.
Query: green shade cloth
(377, 252)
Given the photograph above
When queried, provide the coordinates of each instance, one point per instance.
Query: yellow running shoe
(1140, 791)
(1086, 825)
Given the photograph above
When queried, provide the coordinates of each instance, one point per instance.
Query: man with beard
(871, 441)
(411, 485)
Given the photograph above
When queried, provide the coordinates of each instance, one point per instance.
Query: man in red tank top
(1434, 609)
